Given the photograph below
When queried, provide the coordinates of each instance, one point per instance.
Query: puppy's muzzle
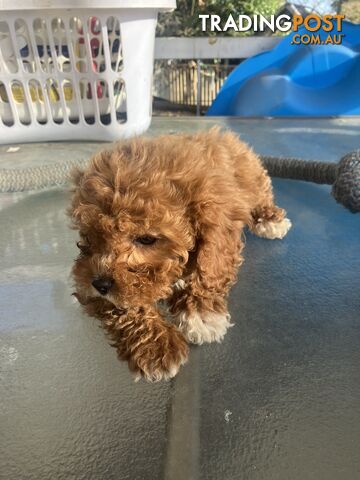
(102, 284)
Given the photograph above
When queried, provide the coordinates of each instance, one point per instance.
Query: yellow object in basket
(36, 93)
(68, 93)
(3, 94)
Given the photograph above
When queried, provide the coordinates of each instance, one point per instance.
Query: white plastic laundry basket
(74, 70)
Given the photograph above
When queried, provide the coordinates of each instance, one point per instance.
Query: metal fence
(189, 72)
(190, 83)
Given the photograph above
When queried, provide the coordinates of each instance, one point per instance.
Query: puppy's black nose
(103, 284)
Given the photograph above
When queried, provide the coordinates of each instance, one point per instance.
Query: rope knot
(346, 188)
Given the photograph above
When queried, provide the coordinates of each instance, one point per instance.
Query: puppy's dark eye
(84, 249)
(146, 240)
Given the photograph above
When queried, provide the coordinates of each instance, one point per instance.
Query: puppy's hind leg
(270, 222)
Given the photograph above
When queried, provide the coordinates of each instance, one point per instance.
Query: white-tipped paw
(272, 230)
(206, 327)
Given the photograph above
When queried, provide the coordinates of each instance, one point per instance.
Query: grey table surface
(279, 399)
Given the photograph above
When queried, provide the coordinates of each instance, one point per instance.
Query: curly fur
(194, 194)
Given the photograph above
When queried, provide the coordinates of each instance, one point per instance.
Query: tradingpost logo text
(283, 23)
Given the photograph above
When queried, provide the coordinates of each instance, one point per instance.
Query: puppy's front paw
(203, 327)
(160, 356)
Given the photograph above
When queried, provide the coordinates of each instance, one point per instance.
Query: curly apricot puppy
(161, 219)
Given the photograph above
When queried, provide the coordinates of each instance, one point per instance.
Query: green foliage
(185, 22)
(262, 7)
(351, 9)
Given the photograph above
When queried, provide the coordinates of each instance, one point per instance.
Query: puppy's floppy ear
(217, 255)
(218, 247)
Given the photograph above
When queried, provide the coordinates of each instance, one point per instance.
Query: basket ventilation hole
(53, 94)
(120, 101)
(22, 107)
(37, 99)
(6, 114)
(87, 102)
(71, 103)
(96, 44)
(7, 48)
(24, 48)
(43, 45)
(61, 45)
(115, 44)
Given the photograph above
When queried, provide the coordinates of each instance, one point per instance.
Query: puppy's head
(134, 232)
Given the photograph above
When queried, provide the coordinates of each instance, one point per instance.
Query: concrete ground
(279, 399)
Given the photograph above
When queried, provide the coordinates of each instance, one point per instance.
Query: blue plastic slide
(297, 80)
